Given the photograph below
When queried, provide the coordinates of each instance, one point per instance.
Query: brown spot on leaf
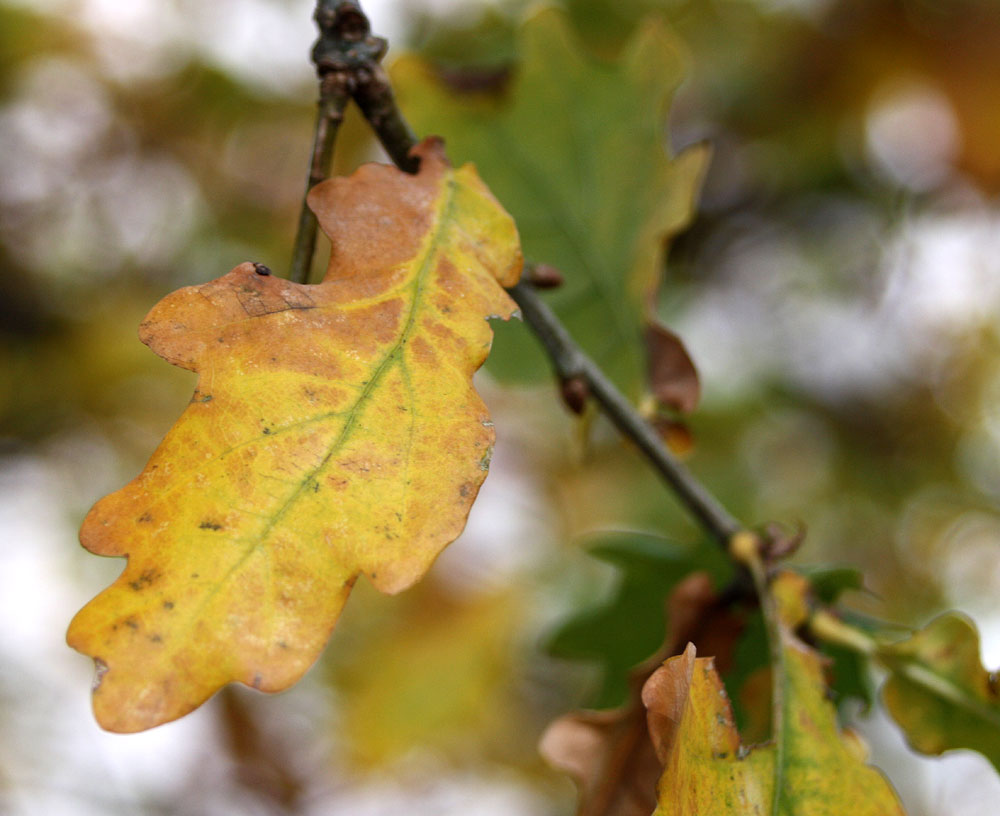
(144, 580)
(336, 482)
(423, 352)
(209, 525)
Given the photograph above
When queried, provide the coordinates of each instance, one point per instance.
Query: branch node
(345, 41)
(543, 276)
(574, 391)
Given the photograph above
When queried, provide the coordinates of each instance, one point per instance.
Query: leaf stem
(830, 628)
(745, 548)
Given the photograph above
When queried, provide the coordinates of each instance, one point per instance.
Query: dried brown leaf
(673, 378)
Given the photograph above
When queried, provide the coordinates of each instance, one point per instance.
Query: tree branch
(378, 103)
(334, 94)
(571, 363)
(344, 51)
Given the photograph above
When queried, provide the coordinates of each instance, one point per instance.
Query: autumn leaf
(939, 692)
(334, 431)
(809, 768)
(575, 148)
(610, 754)
(673, 380)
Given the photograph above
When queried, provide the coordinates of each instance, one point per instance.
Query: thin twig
(334, 95)
(378, 103)
(571, 363)
(344, 51)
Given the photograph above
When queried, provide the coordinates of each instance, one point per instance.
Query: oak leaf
(810, 768)
(939, 692)
(334, 431)
(610, 754)
(626, 628)
(575, 148)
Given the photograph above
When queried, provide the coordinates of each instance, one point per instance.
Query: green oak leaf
(829, 583)
(938, 691)
(628, 626)
(576, 150)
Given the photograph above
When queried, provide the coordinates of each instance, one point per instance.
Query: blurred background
(839, 291)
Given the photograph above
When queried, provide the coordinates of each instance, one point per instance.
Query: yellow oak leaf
(334, 431)
(809, 768)
(812, 770)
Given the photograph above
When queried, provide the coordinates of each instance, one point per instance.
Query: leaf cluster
(335, 433)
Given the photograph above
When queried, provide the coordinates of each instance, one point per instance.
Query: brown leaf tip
(673, 377)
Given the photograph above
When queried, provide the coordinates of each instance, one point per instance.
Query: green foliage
(574, 148)
(629, 626)
(829, 583)
(939, 692)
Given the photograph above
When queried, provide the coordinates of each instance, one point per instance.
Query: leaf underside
(334, 431)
